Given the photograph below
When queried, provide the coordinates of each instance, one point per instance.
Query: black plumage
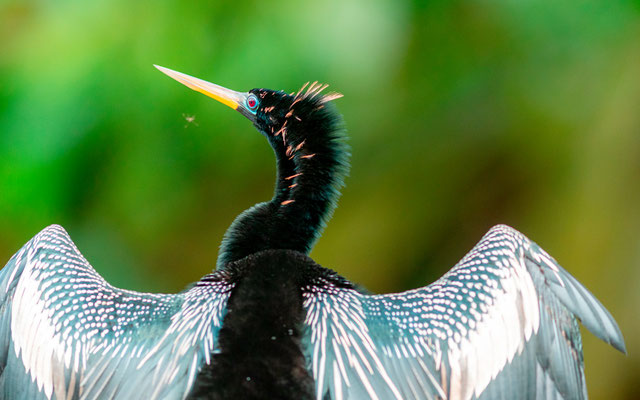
(260, 341)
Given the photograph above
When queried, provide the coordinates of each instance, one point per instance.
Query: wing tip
(583, 304)
(594, 316)
(616, 340)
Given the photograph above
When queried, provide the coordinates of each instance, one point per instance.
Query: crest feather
(313, 90)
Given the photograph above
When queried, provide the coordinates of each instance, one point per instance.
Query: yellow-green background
(462, 114)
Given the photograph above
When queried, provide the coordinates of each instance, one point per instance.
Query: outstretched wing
(65, 333)
(500, 325)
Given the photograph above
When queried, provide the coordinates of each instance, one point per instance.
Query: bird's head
(290, 121)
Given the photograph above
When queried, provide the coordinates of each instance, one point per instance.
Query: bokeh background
(461, 114)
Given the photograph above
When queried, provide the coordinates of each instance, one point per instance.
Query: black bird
(270, 323)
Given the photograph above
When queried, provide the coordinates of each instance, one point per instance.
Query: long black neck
(312, 161)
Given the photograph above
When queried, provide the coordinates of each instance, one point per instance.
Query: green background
(461, 114)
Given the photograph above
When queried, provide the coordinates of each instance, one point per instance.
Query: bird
(270, 323)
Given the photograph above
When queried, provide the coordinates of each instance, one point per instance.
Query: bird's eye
(252, 103)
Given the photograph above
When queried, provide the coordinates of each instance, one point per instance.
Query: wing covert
(500, 324)
(65, 333)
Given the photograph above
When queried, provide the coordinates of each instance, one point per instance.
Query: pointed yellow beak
(225, 96)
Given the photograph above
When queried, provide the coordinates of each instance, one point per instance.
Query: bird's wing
(500, 325)
(65, 333)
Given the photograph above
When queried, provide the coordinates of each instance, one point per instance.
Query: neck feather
(312, 161)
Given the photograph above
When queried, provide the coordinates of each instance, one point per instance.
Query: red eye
(252, 102)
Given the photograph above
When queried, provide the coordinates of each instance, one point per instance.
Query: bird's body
(260, 341)
(271, 323)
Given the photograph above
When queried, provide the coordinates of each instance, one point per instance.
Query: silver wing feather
(65, 333)
(500, 325)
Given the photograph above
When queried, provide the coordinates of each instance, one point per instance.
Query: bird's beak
(231, 98)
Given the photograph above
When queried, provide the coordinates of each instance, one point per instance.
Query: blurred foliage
(462, 114)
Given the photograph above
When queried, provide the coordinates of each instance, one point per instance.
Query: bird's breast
(259, 348)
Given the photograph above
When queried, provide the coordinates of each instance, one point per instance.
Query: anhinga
(270, 323)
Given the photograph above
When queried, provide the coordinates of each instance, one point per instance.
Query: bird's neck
(309, 176)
